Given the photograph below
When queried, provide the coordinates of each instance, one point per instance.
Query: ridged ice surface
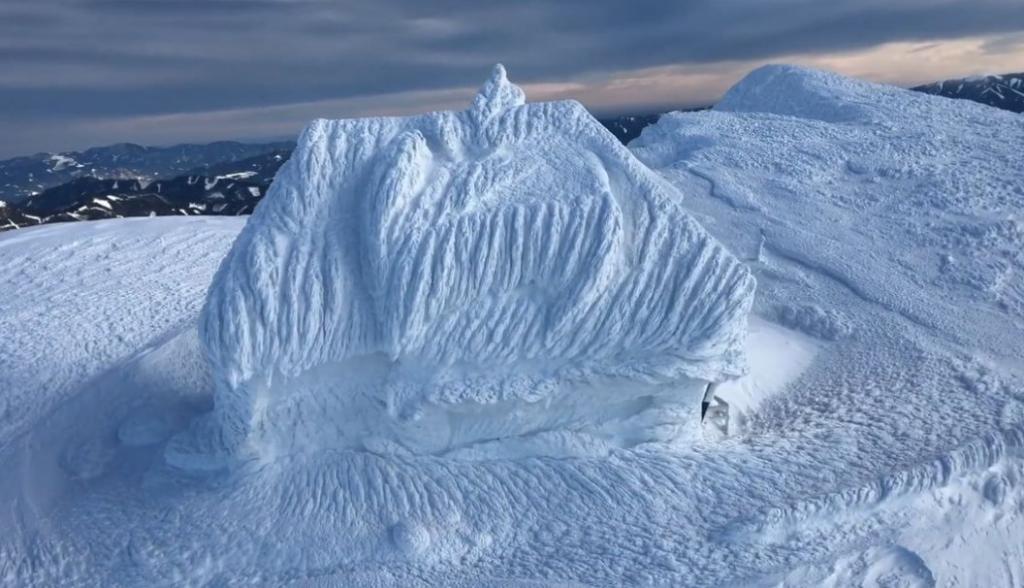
(503, 254)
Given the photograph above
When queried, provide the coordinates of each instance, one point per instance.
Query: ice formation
(431, 282)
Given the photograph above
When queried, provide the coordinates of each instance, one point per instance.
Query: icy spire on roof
(497, 94)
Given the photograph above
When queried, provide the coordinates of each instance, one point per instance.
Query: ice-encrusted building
(452, 280)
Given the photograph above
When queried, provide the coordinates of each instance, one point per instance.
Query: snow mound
(811, 94)
(790, 90)
(424, 283)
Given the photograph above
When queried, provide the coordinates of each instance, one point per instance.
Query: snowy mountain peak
(497, 94)
(427, 280)
(791, 90)
(822, 96)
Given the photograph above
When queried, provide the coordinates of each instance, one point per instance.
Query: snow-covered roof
(510, 238)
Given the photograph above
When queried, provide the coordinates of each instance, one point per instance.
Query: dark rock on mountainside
(1001, 91)
(92, 199)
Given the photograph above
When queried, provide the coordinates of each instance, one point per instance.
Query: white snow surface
(884, 447)
(79, 298)
(777, 356)
(484, 265)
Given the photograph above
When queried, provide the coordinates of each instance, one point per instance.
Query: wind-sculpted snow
(817, 169)
(496, 257)
(883, 444)
(76, 299)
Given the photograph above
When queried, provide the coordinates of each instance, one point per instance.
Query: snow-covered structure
(431, 282)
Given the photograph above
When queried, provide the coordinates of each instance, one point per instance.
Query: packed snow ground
(883, 444)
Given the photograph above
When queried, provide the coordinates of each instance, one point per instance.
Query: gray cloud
(67, 64)
(1007, 44)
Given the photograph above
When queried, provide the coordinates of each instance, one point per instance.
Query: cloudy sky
(77, 73)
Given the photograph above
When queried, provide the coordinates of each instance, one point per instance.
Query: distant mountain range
(22, 177)
(1001, 91)
(627, 128)
(226, 188)
(229, 178)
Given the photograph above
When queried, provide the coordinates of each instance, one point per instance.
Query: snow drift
(808, 158)
(455, 277)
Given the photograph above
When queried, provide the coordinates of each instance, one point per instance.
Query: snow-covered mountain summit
(885, 388)
(818, 95)
(472, 262)
(791, 90)
(891, 224)
(809, 153)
